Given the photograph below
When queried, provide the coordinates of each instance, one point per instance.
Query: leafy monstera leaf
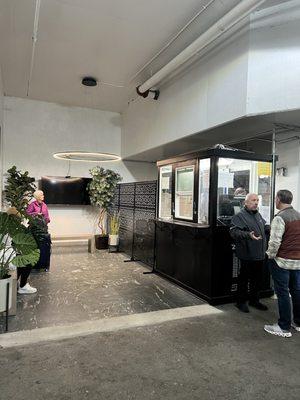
(25, 259)
(21, 249)
(24, 243)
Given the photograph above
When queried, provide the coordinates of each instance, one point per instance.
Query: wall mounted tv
(65, 190)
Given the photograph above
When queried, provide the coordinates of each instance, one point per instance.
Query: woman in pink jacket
(38, 207)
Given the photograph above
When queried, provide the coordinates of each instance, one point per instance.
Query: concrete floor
(218, 354)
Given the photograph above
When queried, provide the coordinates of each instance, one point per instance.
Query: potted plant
(101, 190)
(17, 247)
(114, 226)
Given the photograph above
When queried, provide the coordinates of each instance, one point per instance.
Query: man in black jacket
(248, 232)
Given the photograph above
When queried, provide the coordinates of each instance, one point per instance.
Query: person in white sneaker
(284, 263)
(24, 287)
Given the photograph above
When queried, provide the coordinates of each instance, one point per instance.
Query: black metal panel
(222, 265)
(127, 194)
(136, 203)
(144, 233)
(183, 254)
(145, 195)
(225, 267)
(126, 229)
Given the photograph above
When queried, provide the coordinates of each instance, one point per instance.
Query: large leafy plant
(101, 190)
(17, 244)
(18, 189)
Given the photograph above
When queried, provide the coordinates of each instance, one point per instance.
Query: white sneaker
(27, 289)
(276, 330)
(295, 326)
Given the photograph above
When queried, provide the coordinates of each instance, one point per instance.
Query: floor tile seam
(114, 324)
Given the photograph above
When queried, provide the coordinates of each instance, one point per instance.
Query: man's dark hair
(285, 196)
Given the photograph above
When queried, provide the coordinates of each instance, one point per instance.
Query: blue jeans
(286, 282)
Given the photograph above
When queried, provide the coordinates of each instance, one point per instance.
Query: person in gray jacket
(248, 232)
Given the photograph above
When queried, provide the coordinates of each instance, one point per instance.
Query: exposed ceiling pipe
(34, 40)
(172, 40)
(234, 16)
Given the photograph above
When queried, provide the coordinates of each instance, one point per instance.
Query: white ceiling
(108, 39)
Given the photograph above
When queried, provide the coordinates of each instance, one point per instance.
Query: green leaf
(24, 243)
(26, 259)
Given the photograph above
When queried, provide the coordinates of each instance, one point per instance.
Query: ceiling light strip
(85, 156)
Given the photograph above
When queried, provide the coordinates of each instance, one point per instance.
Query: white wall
(213, 92)
(34, 130)
(274, 60)
(1, 133)
(289, 157)
(256, 72)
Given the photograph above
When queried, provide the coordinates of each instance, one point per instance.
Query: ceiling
(112, 40)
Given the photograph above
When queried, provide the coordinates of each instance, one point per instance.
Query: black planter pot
(101, 242)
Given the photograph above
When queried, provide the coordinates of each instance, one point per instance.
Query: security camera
(154, 93)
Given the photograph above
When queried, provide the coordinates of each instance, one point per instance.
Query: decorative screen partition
(136, 203)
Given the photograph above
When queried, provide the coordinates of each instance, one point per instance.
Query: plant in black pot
(17, 247)
(101, 190)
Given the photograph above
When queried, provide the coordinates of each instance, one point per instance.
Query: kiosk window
(236, 178)
(184, 192)
(204, 173)
(165, 192)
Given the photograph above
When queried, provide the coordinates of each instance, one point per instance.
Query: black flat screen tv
(65, 190)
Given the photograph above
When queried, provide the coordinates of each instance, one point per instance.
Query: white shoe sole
(281, 334)
(297, 328)
(27, 292)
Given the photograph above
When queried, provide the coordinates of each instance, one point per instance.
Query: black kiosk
(198, 194)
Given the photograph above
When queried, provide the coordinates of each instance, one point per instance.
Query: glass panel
(165, 192)
(184, 192)
(236, 178)
(204, 173)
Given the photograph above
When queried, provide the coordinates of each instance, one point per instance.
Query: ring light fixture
(86, 156)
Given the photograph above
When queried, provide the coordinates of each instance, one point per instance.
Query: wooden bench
(70, 240)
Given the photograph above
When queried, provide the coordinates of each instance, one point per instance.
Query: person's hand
(254, 237)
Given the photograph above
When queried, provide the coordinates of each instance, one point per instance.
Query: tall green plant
(17, 245)
(18, 189)
(114, 223)
(101, 190)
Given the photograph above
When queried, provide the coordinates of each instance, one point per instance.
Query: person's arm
(239, 234)
(46, 214)
(277, 231)
(238, 230)
(31, 210)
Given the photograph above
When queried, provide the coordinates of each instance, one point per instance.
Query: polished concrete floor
(81, 286)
